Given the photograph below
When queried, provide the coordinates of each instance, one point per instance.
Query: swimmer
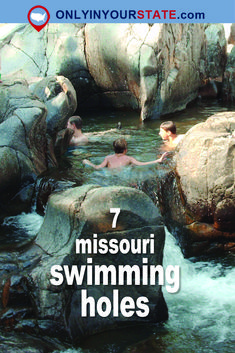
(78, 138)
(120, 159)
(168, 134)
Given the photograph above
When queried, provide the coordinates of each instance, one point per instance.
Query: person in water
(120, 158)
(169, 135)
(78, 138)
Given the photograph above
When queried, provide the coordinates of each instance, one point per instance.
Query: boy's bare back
(118, 161)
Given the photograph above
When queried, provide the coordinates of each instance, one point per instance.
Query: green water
(144, 142)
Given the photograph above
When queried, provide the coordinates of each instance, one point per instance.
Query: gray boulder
(23, 136)
(197, 197)
(79, 213)
(60, 99)
(26, 149)
(154, 68)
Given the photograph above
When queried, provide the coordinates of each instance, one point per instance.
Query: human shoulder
(132, 160)
(110, 156)
(78, 141)
(178, 139)
(83, 139)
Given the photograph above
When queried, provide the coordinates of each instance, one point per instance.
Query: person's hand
(163, 157)
(85, 161)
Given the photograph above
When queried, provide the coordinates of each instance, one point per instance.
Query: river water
(202, 312)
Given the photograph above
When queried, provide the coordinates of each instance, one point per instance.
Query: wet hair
(169, 126)
(77, 121)
(119, 145)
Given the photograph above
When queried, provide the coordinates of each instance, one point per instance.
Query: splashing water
(205, 303)
(19, 230)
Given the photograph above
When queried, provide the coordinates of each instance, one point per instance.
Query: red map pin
(38, 17)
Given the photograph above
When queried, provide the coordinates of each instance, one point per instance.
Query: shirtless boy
(168, 134)
(120, 159)
(78, 138)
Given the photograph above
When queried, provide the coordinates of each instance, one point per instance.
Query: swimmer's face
(70, 126)
(164, 134)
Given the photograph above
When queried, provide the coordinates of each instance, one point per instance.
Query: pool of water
(144, 142)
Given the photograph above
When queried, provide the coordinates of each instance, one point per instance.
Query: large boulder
(77, 214)
(155, 68)
(26, 149)
(159, 65)
(23, 137)
(60, 99)
(198, 197)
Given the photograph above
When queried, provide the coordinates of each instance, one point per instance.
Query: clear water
(202, 313)
(144, 143)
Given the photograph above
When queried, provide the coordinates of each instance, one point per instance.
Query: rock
(15, 304)
(59, 96)
(16, 343)
(211, 88)
(26, 150)
(23, 137)
(155, 68)
(231, 39)
(62, 142)
(216, 58)
(78, 213)
(216, 50)
(45, 185)
(229, 74)
(197, 198)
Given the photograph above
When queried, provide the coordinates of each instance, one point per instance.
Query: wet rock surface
(31, 304)
(71, 215)
(26, 149)
(197, 197)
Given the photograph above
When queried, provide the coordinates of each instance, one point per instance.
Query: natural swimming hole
(202, 312)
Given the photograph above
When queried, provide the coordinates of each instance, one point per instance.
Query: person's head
(120, 145)
(167, 129)
(75, 122)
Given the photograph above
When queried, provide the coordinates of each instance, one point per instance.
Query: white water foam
(29, 222)
(205, 303)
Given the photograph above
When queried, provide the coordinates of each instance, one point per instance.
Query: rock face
(229, 74)
(216, 58)
(26, 148)
(231, 38)
(79, 213)
(197, 198)
(216, 50)
(23, 136)
(60, 99)
(155, 68)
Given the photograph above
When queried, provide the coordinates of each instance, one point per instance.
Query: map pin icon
(38, 17)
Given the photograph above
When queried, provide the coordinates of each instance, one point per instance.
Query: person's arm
(102, 165)
(135, 162)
